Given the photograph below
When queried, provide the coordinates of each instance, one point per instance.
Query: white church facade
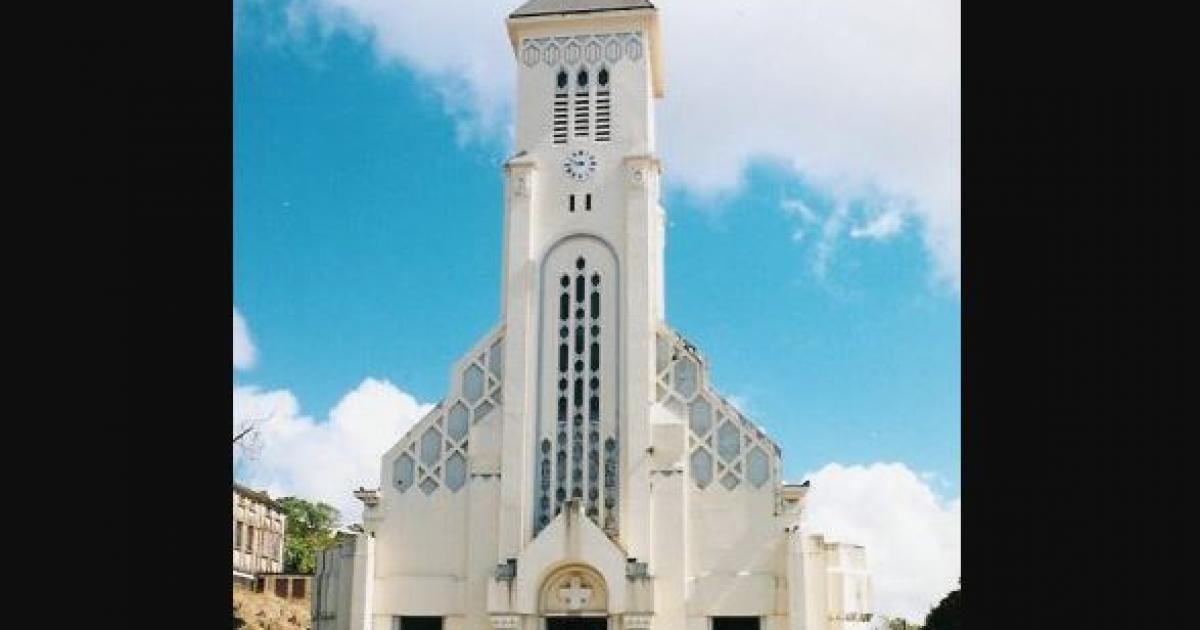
(583, 473)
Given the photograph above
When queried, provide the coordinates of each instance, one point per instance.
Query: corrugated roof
(553, 7)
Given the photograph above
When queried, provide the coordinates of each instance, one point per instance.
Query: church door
(576, 623)
(417, 623)
(735, 623)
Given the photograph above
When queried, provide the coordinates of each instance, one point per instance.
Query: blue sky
(812, 251)
(367, 243)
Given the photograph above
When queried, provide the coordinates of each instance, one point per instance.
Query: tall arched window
(577, 436)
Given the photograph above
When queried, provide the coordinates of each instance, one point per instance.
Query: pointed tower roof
(559, 7)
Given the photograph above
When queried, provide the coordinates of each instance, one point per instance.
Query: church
(583, 473)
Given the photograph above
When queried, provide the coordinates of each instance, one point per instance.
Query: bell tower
(582, 287)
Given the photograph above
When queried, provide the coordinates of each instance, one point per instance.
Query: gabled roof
(557, 7)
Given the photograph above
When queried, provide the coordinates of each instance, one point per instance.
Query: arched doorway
(574, 597)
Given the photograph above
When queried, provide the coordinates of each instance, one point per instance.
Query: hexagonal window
(729, 481)
(686, 375)
(729, 441)
(473, 383)
(482, 410)
(431, 446)
(456, 471)
(456, 422)
(756, 465)
(429, 485)
(700, 416)
(662, 354)
(701, 465)
(496, 358)
(402, 470)
(676, 406)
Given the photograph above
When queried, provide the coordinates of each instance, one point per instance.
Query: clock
(580, 165)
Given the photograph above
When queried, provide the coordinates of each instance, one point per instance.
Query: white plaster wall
(672, 530)
(710, 551)
(734, 550)
(434, 552)
(624, 215)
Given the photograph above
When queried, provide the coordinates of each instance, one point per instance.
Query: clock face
(580, 165)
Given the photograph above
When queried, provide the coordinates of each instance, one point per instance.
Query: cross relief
(574, 594)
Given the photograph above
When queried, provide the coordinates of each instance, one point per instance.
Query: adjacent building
(258, 528)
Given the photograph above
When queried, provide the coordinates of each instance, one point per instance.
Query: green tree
(309, 530)
(947, 615)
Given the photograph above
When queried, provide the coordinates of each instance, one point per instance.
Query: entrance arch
(574, 590)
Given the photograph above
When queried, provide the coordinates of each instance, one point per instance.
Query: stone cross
(575, 595)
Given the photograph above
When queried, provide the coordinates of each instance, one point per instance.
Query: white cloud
(798, 208)
(880, 228)
(912, 536)
(324, 460)
(244, 352)
(852, 94)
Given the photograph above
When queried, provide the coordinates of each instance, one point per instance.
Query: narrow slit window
(583, 105)
(587, 204)
(603, 107)
(559, 108)
(572, 203)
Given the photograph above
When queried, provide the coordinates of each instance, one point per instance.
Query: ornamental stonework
(589, 49)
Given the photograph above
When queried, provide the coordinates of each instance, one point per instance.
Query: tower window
(559, 110)
(588, 202)
(603, 108)
(583, 106)
(576, 455)
(572, 203)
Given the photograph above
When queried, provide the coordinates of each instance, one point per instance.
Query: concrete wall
(342, 593)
